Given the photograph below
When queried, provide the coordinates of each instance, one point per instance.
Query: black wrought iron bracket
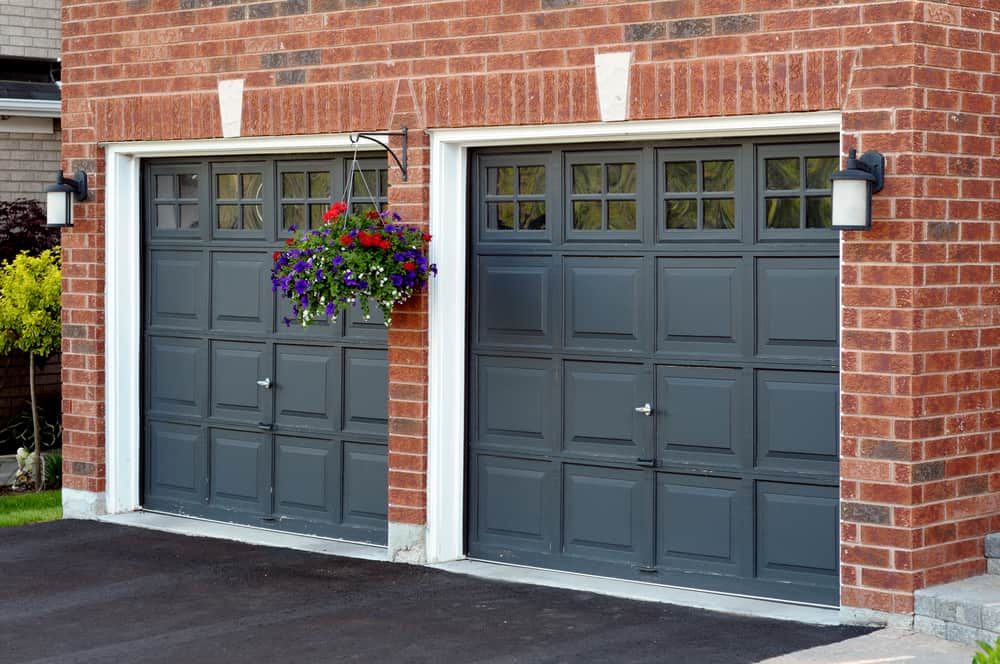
(370, 135)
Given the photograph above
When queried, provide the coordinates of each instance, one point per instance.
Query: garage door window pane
(500, 216)
(587, 215)
(819, 170)
(316, 213)
(682, 176)
(587, 179)
(819, 212)
(252, 186)
(229, 217)
(319, 185)
(166, 217)
(621, 178)
(783, 213)
(292, 215)
(293, 185)
(228, 186)
(682, 213)
(719, 175)
(500, 181)
(253, 217)
(164, 186)
(719, 214)
(782, 173)
(189, 216)
(531, 180)
(188, 184)
(532, 216)
(621, 215)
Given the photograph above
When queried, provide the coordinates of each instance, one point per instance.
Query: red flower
(275, 255)
(290, 241)
(365, 239)
(335, 211)
(371, 214)
(345, 239)
(426, 237)
(409, 266)
(385, 244)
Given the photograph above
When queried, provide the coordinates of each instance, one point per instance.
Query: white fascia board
(775, 124)
(31, 108)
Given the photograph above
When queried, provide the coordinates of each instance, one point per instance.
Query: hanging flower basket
(353, 260)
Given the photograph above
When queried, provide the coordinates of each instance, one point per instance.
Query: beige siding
(28, 163)
(30, 28)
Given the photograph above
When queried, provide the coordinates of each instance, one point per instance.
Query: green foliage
(19, 510)
(53, 470)
(989, 654)
(18, 431)
(30, 309)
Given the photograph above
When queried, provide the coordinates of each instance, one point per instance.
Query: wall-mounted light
(853, 188)
(59, 199)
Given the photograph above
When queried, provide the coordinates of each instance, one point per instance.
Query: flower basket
(355, 259)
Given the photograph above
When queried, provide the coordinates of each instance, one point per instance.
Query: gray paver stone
(993, 545)
(932, 626)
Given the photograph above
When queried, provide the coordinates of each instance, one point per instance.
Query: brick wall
(28, 163)
(14, 388)
(29, 28)
(915, 79)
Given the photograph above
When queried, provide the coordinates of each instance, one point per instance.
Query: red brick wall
(915, 79)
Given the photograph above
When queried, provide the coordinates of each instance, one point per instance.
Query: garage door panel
(798, 307)
(797, 533)
(236, 368)
(797, 413)
(700, 306)
(307, 387)
(517, 296)
(606, 514)
(365, 485)
(241, 471)
(700, 416)
(176, 460)
(607, 303)
(319, 330)
(599, 403)
(515, 400)
(701, 523)
(511, 499)
(241, 292)
(177, 284)
(366, 391)
(307, 478)
(373, 329)
(176, 376)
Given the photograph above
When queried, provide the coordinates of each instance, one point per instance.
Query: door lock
(265, 383)
(645, 409)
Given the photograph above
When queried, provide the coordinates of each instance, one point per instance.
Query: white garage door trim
(448, 315)
(123, 300)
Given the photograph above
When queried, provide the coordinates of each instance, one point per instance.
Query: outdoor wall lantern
(59, 199)
(853, 188)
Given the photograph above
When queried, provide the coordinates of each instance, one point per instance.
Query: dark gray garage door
(248, 420)
(654, 365)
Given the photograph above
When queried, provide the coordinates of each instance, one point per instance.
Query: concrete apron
(636, 590)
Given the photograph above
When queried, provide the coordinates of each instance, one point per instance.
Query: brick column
(921, 360)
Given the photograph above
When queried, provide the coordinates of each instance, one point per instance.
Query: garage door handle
(645, 409)
(265, 383)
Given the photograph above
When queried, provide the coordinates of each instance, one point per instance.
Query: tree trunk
(34, 422)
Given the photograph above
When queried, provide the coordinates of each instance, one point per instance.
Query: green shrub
(53, 470)
(988, 654)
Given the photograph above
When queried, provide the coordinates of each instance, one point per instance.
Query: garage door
(654, 365)
(247, 420)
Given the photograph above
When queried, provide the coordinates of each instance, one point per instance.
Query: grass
(28, 508)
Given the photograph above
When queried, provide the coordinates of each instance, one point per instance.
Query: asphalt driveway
(95, 592)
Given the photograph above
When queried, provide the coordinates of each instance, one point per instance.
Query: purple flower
(288, 321)
(330, 308)
(301, 286)
(300, 267)
(396, 280)
(293, 228)
(337, 260)
(319, 274)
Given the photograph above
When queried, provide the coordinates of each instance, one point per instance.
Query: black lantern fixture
(59, 199)
(853, 188)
